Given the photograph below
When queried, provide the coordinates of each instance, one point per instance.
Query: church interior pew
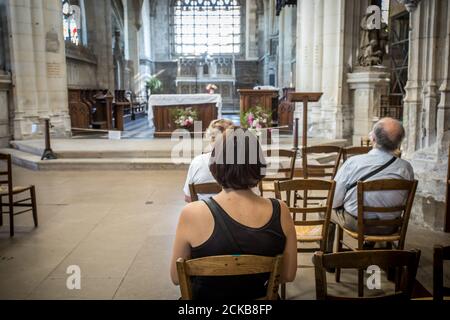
(98, 109)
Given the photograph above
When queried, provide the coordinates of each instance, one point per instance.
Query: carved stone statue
(373, 44)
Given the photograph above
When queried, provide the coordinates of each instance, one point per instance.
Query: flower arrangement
(184, 117)
(256, 118)
(211, 88)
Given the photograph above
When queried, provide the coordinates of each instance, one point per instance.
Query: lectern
(305, 98)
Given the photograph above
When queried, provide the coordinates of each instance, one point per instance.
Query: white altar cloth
(183, 99)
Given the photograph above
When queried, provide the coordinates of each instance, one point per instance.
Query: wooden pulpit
(266, 99)
(304, 97)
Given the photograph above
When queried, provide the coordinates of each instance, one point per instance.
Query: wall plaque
(53, 70)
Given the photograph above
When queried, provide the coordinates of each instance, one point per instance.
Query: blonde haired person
(199, 169)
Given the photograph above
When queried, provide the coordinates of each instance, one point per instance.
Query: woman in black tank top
(230, 237)
(268, 241)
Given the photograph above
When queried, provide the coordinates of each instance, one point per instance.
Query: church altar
(207, 106)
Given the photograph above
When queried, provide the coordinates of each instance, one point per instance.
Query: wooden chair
(204, 188)
(308, 230)
(323, 171)
(439, 291)
(319, 171)
(397, 239)
(361, 260)
(8, 191)
(220, 266)
(282, 174)
(354, 151)
(365, 142)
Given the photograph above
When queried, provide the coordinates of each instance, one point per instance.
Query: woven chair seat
(4, 190)
(308, 233)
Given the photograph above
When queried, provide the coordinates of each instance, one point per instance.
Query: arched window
(73, 12)
(206, 26)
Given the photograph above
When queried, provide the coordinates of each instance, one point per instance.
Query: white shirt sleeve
(189, 181)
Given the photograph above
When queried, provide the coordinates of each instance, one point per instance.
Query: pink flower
(250, 119)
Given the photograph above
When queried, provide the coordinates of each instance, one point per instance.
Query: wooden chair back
(439, 290)
(220, 266)
(365, 142)
(289, 155)
(6, 172)
(286, 191)
(354, 151)
(204, 188)
(407, 261)
(282, 174)
(325, 171)
(401, 222)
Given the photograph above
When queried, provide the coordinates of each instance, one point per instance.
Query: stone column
(251, 45)
(368, 85)
(305, 43)
(5, 89)
(103, 44)
(443, 112)
(325, 43)
(144, 36)
(317, 63)
(285, 47)
(426, 115)
(39, 66)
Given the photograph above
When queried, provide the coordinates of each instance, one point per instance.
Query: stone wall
(287, 52)
(427, 108)
(38, 66)
(327, 40)
(246, 74)
(169, 75)
(5, 79)
(5, 108)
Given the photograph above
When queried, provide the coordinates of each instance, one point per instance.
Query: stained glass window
(385, 11)
(206, 26)
(72, 21)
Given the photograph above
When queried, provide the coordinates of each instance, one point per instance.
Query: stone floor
(118, 227)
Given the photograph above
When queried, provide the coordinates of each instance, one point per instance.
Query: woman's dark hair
(237, 161)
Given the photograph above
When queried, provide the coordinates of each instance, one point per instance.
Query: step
(33, 162)
(97, 154)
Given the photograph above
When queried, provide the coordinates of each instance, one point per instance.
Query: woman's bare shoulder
(194, 211)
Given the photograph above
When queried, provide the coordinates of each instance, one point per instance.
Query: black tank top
(267, 241)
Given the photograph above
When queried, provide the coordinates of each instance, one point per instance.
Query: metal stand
(48, 152)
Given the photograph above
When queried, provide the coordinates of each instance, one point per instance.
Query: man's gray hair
(389, 141)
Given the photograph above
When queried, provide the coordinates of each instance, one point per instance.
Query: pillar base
(368, 85)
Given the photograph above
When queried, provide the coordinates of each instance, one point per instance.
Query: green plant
(154, 85)
(256, 118)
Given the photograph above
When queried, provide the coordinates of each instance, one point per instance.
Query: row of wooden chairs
(333, 154)
(314, 222)
(309, 197)
(407, 261)
(220, 266)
